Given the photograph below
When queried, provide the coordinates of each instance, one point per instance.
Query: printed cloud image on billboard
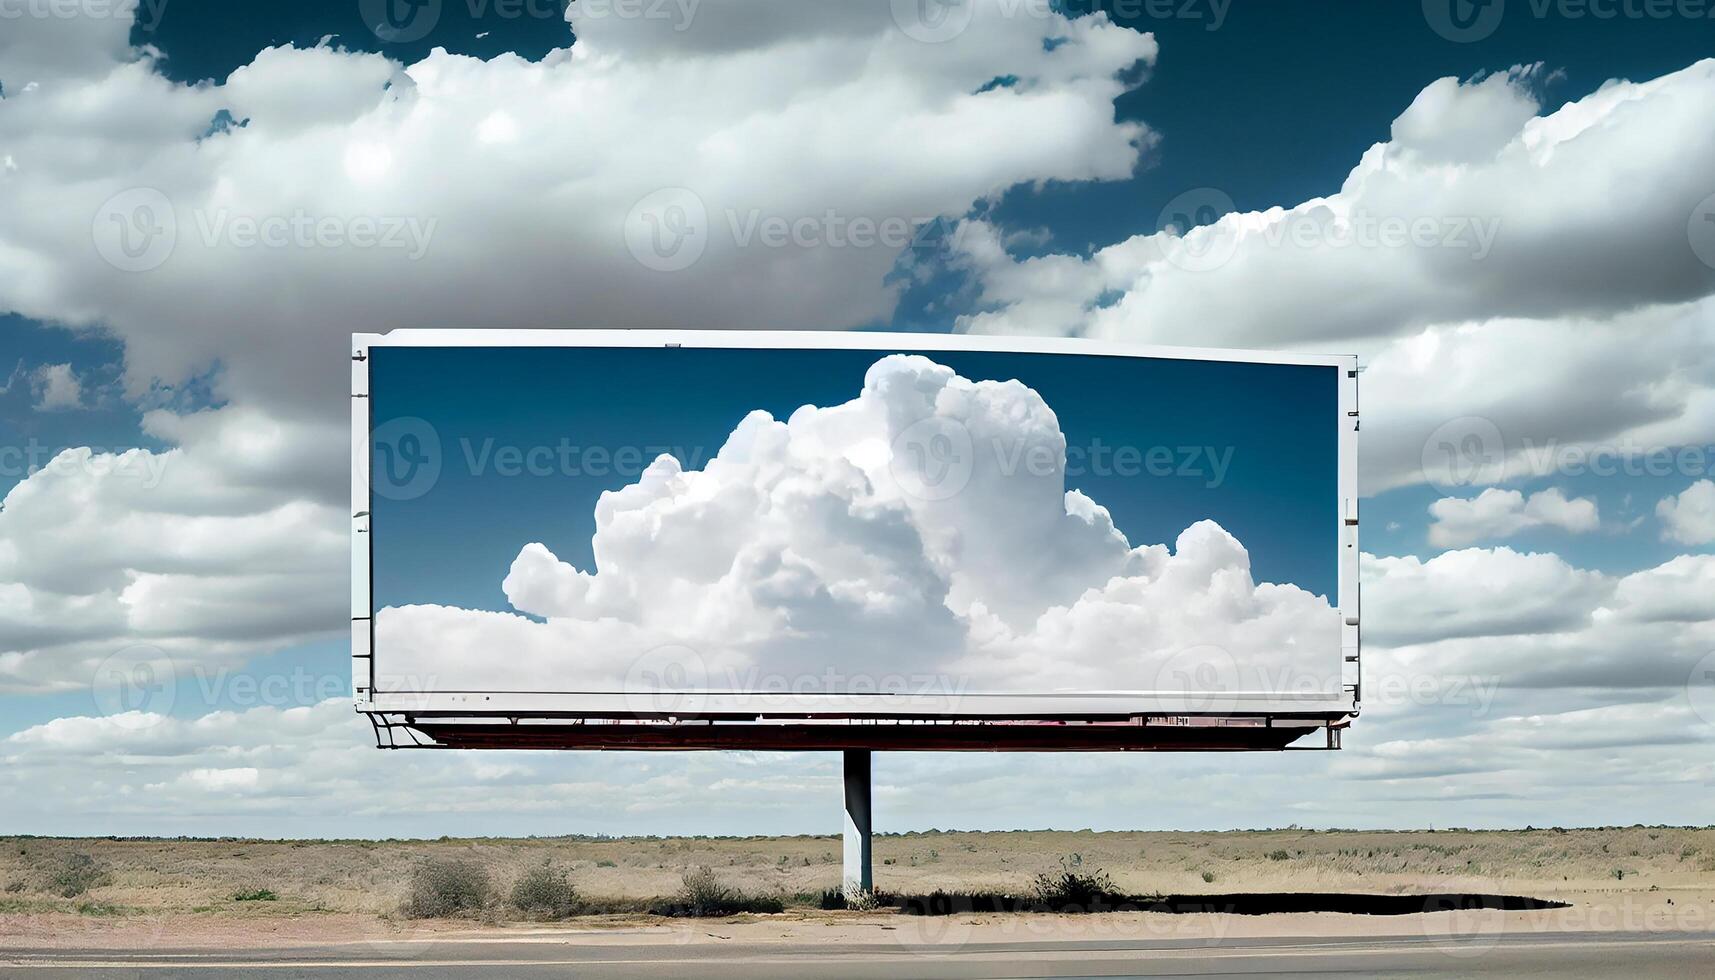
(825, 526)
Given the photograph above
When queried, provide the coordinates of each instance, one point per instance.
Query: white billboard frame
(1331, 710)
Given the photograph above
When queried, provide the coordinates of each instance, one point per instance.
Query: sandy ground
(181, 894)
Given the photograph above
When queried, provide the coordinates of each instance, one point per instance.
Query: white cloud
(825, 541)
(57, 387)
(828, 118)
(1475, 592)
(518, 178)
(211, 551)
(1689, 518)
(1496, 513)
(1562, 626)
(1482, 237)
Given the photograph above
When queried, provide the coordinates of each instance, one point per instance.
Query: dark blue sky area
(454, 543)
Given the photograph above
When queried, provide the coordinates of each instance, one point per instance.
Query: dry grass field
(248, 878)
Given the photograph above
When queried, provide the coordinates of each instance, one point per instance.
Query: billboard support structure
(857, 874)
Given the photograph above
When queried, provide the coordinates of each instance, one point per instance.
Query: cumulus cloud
(826, 541)
(1452, 254)
(210, 551)
(1689, 517)
(241, 229)
(509, 186)
(1496, 513)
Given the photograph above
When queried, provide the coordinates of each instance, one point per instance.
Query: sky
(1251, 446)
(1509, 219)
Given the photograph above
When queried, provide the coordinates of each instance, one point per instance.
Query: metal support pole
(858, 878)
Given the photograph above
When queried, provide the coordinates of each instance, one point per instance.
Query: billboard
(702, 539)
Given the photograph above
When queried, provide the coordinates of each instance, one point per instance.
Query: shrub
(76, 874)
(704, 895)
(1279, 856)
(546, 892)
(256, 895)
(1072, 889)
(446, 888)
(1208, 877)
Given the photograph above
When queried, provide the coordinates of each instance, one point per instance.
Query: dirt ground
(191, 892)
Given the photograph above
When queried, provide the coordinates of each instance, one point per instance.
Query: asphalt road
(1636, 956)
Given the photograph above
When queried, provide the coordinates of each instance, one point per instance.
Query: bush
(76, 874)
(545, 892)
(1208, 877)
(256, 895)
(704, 895)
(1279, 856)
(1072, 889)
(446, 888)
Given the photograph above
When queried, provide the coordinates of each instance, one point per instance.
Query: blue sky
(1274, 490)
(1586, 329)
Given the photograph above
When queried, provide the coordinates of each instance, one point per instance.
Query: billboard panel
(660, 528)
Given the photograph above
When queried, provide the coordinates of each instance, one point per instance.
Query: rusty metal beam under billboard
(624, 539)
